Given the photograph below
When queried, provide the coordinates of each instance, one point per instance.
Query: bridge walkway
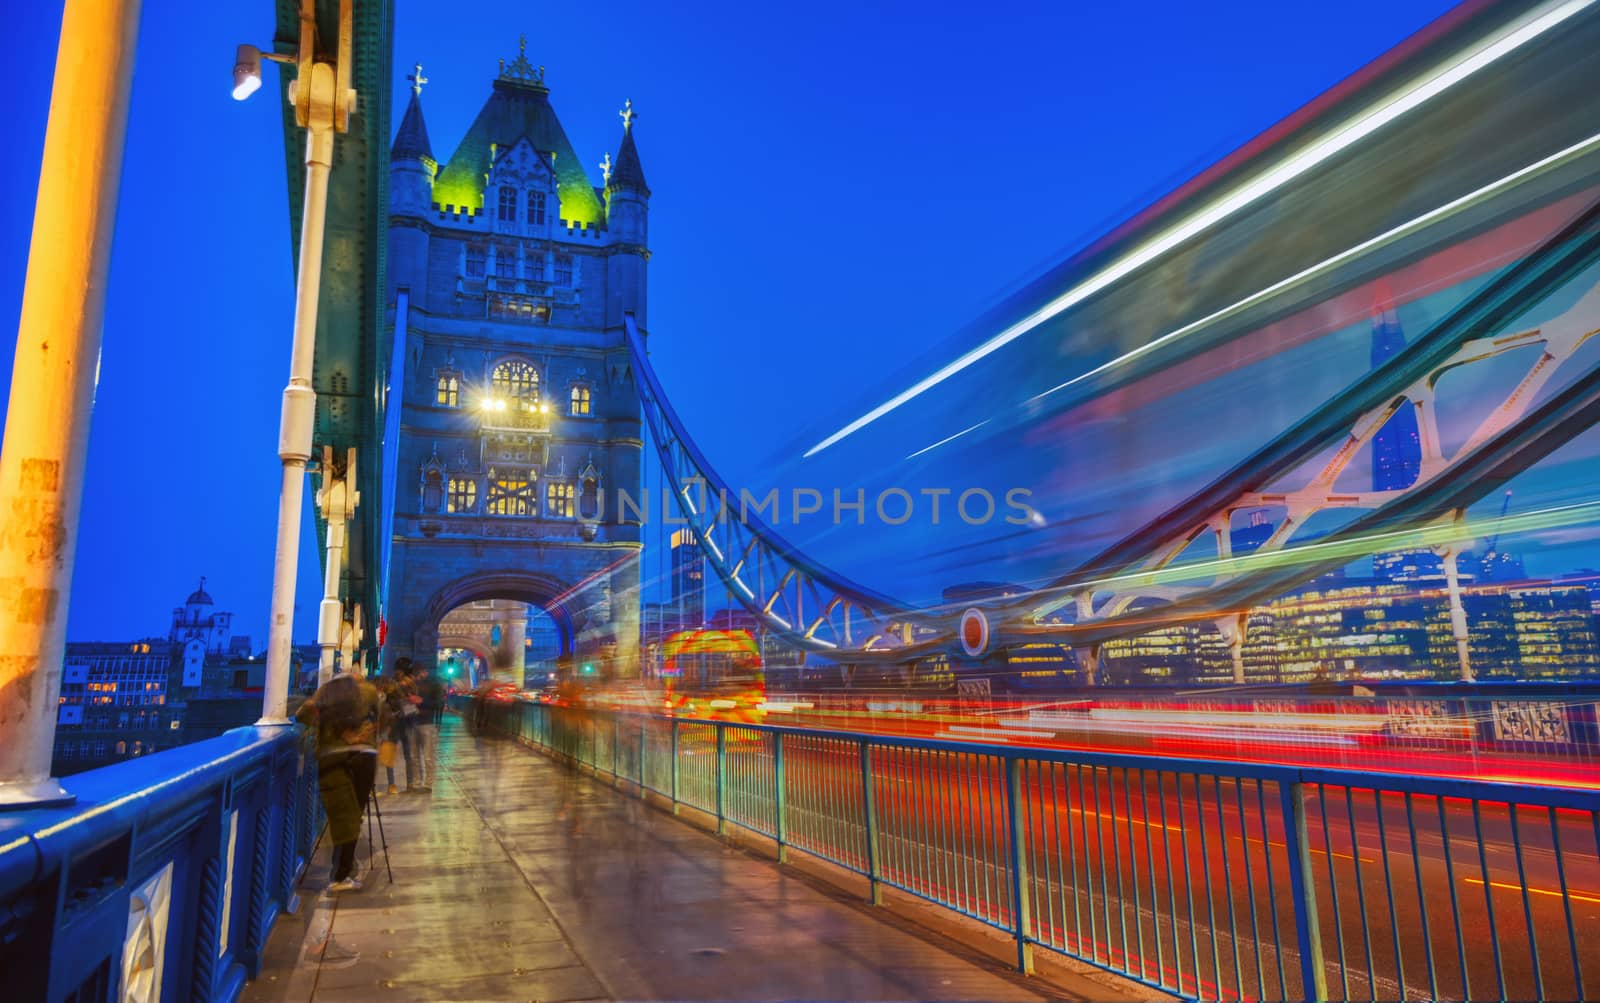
(519, 879)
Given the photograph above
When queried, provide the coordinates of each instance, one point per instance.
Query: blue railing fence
(164, 879)
(1210, 880)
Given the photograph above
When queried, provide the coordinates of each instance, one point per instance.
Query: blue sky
(837, 188)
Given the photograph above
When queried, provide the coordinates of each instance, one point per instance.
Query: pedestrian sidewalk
(518, 879)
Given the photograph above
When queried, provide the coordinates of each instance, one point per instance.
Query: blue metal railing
(1207, 879)
(164, 879)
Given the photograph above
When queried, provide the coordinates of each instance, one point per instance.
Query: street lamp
(247, 70)
(323, 100)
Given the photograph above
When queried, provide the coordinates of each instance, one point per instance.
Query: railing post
(1020, 880)
(674, 791)
(778, 798)
(616, 740)
(1303, 890)
(869, 809)
(644, 752)
(722, 779)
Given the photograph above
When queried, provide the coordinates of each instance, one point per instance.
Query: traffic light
(588, 668)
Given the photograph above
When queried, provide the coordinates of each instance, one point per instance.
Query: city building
(688, 576)
(511, 274)
(113, 703)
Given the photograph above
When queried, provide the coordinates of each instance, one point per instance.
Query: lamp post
(322, 101)
(52, 382)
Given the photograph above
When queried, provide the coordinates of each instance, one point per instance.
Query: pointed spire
(626, 171)
(411, 142)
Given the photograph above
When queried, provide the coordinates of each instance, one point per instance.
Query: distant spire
(626, 171)
(411, 142)
(605, 167)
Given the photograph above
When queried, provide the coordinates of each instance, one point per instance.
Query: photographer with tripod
(344, 713)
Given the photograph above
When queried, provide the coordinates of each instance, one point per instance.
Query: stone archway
(544, 591)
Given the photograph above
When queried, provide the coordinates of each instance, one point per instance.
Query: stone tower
(510, 274)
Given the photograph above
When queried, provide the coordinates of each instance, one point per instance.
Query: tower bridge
(473, 381)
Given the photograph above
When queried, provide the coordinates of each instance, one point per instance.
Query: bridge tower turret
(627, 217)
(411, 172)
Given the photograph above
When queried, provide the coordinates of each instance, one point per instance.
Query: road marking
(1575, 896)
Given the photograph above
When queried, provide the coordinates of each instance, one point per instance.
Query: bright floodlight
(246, 72)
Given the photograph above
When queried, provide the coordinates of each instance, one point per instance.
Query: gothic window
(476, 257)
(580, 400)
(536, 208)
(533, 264)
(508, 204)
(505, 263)
(511, 493)
(563, 269)
(449, 390)
(589, 499)
(558, 499)
(463, 495)
(516, 379)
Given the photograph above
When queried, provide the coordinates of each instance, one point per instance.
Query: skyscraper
(688, 578)
(1397, 455)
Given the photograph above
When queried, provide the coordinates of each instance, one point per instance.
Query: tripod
(372, 807)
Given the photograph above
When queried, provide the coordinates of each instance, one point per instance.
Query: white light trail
(1368, 123)
(948, 438)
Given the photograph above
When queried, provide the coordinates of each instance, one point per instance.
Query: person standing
(425, 732)
(344, 713)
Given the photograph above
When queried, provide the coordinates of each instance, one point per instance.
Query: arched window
(533, 266)
(511, 493)
(508, 204)
(536, 208)
(449, 392)
(505, 262)
(558, 499)
(563, 269)
(580, 400)
(516, 379)
(463, 495)
(476, 256)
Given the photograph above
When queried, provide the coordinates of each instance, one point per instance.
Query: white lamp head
(246, 72)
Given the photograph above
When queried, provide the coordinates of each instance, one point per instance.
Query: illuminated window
(580, 400)
(510, 494)
(558, 499)
(508, 205)
(449, 393)
(536, 208)
(516, 379)
(563, 269)
(476, 257)
(463, 496)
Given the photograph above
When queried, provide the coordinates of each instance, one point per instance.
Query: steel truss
(791, 595)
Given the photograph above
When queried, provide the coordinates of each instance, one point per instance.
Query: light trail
(948, 438)
(1372, 120)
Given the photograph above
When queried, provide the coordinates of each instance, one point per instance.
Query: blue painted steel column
(722, 779)
(869, 811)
(1303, 892)
(674, 791)
(1020, 921)
(778, 798)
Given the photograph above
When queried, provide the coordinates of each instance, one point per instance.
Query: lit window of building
(508, 204)
(536, 208)
(558, 499)
(463, 495)
(510, 494)
(516, 379)
(580, 400)
(449, 394)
